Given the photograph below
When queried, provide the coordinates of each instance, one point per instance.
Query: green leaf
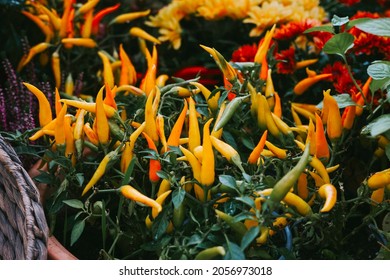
(44, 178)
(323, 28)
(178, 197)
(74, 203)
(160, 225)
(378, 26)
(383, 84)
(378, 126)
(249, 236)
(353, 22)
(339, 21)
(379, 70)
(387, 150)
(339, 44)
(77, 230)
(247, 200)
(129, 171)
(234, 252)
(228, 181)
(80, 178)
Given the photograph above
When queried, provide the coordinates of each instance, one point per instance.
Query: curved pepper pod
(329, 193)
(379, 179)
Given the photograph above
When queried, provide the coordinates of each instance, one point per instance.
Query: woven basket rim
(26, 232)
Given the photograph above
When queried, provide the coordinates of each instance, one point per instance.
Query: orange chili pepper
(362, 96)
(379, 179)
(86, 29)
(45, 113)
(322, 148)
(377, 196)
(99, 16)
(256, 152)
(87, 7)
(109, 99)
(174, 136)
(128, 73)
(306, 83)
(334, 127)
(154, 164)
(264, 69)
(41, 25)
(305, 63)
(38, 48)
(348, 117)
(59, 128)
(302, 190)
(91, 135)
(278, 105)
(65, 18)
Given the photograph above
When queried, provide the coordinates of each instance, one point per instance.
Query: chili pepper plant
(283, 154)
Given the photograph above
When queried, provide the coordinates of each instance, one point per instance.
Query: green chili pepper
(229, 111)
(238, 227)
(210, 253)
(283, 186)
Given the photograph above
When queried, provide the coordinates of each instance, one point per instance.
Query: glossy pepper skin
(130, 192)
(329, 193)
(45, 113)
(154, 164)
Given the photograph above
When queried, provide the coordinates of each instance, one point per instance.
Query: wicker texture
(23, 227)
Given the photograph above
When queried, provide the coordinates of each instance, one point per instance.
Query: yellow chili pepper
(90, 107)
(379, 179)
(148, 83)
(160, 200)
(161, 80)
(133, 194)
(325, 107)
(270, 122)
(160, 125)
(378, 195)
(318, 181)
(102, 127)
(78, 131)
(100, 171)
(70, 148)
(69, 85)
(174, 137)
(303, 112)
(208, 162)
(319, 166)
(86, 29)
(59, 128)
(150, 118)
(45, 113)
(80, 42)
(56, 68)
(218, 133)
(123, 18)
(311, 137)
(138, 32)
(282, 126)
(43, 131)
(165, 186)
(128, 151)
(107, 70)
(329, 193)
(193, 126)
(227, 151)
(279, 152)
(264, 46)
(270, 90)
(87, 7)
(37, 49)
(211, 102)
(305, 63)
(41, 25)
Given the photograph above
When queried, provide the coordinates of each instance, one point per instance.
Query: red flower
(320, 38)
(245, 53)
(286, 61)
(342, 82)
(349, 2)
(293, 29)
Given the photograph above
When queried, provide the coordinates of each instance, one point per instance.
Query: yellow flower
(266, 15)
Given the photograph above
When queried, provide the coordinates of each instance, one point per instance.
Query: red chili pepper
(100, 15)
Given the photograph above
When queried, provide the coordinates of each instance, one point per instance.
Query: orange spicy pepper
(150, 118)
(131, 193)
(128, 74)
(138, 32)
(256, 152)
(102, 129)
(174, 137)
(306, 83)
(100, 15)
(193, 126)
(322, 148)
(264, 46)
(108, 75)
(154, 164)
(127, 154)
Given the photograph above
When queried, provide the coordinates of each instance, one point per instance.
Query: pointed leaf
(228, 181)
(77, 230)
(322, 28)
(378, 126)
(234, 252)
(339, 44)
(74, 203)
(178, 197)
(249, 236)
